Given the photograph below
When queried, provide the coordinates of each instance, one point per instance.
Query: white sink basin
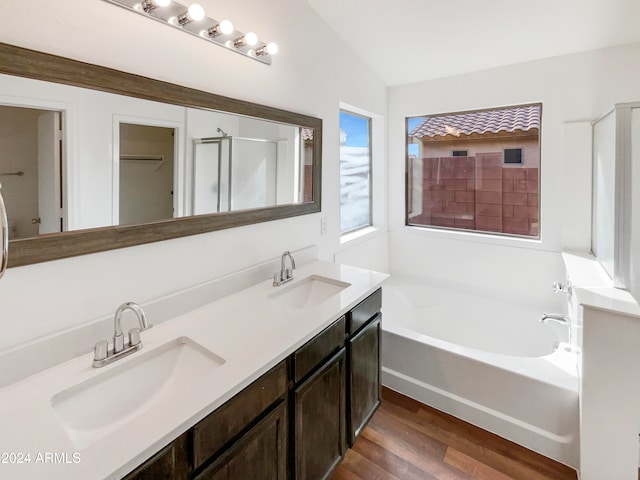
(148, 384)
(309, 292)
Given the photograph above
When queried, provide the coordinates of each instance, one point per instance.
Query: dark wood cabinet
(320, 420)
(318, 349)
(170, 463)
(260, 454)
(294, 422)
(224, 426)
(364, 376)
(364, 311)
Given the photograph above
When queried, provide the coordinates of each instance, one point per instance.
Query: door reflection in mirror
(146, 173)
(232, 173)
(31, 170)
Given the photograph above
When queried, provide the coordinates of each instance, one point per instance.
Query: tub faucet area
(102, 355)
(561, 320)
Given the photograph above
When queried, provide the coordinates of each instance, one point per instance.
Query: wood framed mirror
(303, 137)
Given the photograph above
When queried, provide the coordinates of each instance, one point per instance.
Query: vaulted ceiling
(405, 41)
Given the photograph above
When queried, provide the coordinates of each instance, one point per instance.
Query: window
(355, 171)
(496, 189)
(513, 155)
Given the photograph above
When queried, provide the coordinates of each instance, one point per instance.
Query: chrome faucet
(102, 355)
(560, 319)
(286, 274)
(554, 317)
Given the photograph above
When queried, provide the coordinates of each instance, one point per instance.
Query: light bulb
(269, 49)
(150, 5)
(250, 39)
(195, 12)
(226, 27)
(247, 39)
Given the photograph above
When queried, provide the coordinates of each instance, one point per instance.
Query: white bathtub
(485, 359)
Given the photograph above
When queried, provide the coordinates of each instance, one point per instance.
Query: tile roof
(307, 133)
(487, 121)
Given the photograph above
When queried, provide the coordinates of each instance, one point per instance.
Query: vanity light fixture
(193, 20)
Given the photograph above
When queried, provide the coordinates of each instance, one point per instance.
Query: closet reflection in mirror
(30, 170)
(94, 159)
(146, 173)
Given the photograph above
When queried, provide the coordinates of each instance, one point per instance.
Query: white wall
(311, 74)
(571, 88)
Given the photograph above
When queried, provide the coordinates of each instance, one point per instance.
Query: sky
(412, 122)
(356, 128)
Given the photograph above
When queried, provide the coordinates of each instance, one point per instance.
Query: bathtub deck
(407, 440)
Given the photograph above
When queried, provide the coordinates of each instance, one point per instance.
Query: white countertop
(593, 288)
(248, 330)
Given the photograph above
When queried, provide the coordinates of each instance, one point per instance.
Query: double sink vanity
(268, 382)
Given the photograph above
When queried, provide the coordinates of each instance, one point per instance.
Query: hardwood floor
(408, 440)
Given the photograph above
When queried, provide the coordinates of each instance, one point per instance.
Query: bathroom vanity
(299, 415)
(268, 382)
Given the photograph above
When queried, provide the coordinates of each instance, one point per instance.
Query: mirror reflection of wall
(146, 173)
(30, 170)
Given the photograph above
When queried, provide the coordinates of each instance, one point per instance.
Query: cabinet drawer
(212, 433)
(170, 463)
(364, 311)
(330, 340)
(260, 454)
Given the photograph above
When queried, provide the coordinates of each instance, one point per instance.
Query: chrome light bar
(193, 20)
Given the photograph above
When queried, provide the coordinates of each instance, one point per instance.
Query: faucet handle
(134, 337)
(559, 287)
(100, 350)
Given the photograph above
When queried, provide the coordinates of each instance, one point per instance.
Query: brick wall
(479, 193)
(308, 184)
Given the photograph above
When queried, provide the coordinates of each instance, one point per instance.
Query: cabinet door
(170, 463)
(364, 377)
(320, 420)
(260, 454)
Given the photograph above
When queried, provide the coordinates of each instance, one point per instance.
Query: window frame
(345, 109)
(504, 156)
(447, 230)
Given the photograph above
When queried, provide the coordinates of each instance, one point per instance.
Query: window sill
(360, 234)
(476, 237)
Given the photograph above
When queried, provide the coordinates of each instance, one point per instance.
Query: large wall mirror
(93, 159)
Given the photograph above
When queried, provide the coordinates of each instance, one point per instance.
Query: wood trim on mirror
(42, 66)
